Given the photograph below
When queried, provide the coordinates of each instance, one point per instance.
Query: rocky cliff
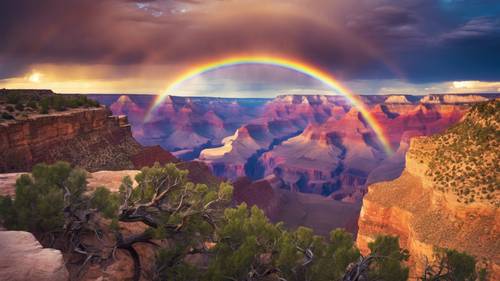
(23, 258)
(340, 155)
(88, 137)
(447, 196)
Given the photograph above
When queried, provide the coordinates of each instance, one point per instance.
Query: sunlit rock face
(314, 144)
(464, 206)
(22, 258)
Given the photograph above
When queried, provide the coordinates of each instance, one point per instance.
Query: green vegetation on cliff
(182, 220)
(465, 160)
(19, 104)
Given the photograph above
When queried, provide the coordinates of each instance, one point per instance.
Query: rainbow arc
(295, 65)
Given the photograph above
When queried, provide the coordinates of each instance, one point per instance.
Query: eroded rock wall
(424, 218)
(91, 138)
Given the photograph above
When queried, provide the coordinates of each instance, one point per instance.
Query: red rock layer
(90, 138)
(149, 155)
(259, 193)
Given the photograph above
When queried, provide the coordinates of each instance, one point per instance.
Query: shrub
(12, 98)
(32, 104)
(390, 267)
(59, 103)
(39, 202)
(453, 265)
(44, 106)
(19, 106)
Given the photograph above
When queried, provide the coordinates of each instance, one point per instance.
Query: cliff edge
(447, 196)
(40, 126)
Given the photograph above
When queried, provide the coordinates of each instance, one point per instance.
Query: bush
(44, 106)
(453, 265)
(39, 202)
(106, 202)
(59, 103)
(32, 104)
(12, 98)
(19, 106)
(390, 267)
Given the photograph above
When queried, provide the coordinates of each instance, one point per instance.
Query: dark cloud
(477, 28)
(355, 39)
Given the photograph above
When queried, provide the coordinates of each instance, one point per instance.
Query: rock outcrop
(453, 99)
(87, 137)
(438, 201)
(22, 258)
(259, 193)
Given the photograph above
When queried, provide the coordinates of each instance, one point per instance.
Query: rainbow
(295, 65)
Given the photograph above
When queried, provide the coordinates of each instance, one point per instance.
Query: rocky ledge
(427, 212)
(88, 137)
(23, 258)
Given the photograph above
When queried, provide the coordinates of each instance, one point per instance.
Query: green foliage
(245, 239)
(44, 106)
(19, 106)
(154, 177)
(32, 103)
(453, 265)
(337, 255)
(44, 103)
(62, 102)
(462, 266)
(389, 266)
(250, 245)
(182, 271)
(106, 202)
(12, 98)
(58, 103)
(175, 209)
(241, 243)
(7, 215)
(39, 202)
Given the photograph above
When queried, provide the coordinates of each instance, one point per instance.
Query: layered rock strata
(91, 138)
(446, 196)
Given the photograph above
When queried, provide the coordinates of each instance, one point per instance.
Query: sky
(370, 46)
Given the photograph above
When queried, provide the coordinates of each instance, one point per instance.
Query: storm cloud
(418, 40)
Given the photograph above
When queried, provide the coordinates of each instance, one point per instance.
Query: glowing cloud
(295, 65)
(35, 77)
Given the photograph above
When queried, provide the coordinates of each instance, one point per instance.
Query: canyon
(312, 144)
(305, 160)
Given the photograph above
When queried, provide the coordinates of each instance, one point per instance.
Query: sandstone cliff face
(426, 212)
(91, 138)
(259, 193)
(22, 258)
